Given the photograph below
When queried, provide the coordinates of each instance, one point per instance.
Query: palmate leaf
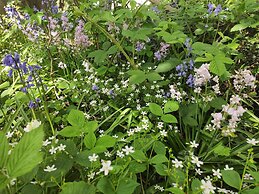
(26, 154)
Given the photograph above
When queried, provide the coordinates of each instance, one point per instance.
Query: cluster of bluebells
(140, 46)
(27, 73)
(162, 52)
(211, 9)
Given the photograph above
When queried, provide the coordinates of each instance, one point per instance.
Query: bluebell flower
(54, 9)
(210, 8)
(95, 87)
(23, 67)
(140, 46)
(8, 60)
(17, 57)
(158, 55)
(37, 100)
(24, 89)
(32, 104)
(218, 9)
(29, 79)
(10, 73)
(190, 81)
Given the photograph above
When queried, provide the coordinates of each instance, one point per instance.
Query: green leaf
(196, 185)
(239, 27)
(105, 186)
(137, 77)
(90, 126)
(222, 150)
(77, 188)
(168, 118)
(106, 141)
(76, 118)
(4, 147)
(188, 120)
(155, 109)
(139, 156)
(171, 106)
(126, 186)
(31, 189)
(136, 167)
(168, 65)
(98, 55)
(255, 175)
(175, 190)
(90, 140)
(159, 158)
(70, 131)
(26, 155)
(251, 191)
(159, 147)
(4, 85)
(231, 178)
(3, 181)
(217, 67)
(153, 76)
(217, 103)
(161, 169)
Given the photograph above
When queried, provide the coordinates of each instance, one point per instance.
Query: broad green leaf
(222, 150)
(90, 140)
(31, 189)
(126, 186)
(153, 76)
(106, 141)
(188, 120)
(139, 156)
(217, 103)
(137, 78)
(105, 186)
(168, 118)
(239, 27)
(232, 178)
(76, 118)
(196, 185)
(77, 188)
(136, 167)
(217, 67)
(159, 158)
(4, 147)
(159, 147)
(155, 109)
(161, 169)
(255, 175)
(98, 55)
(171, 106)
(175, 190)
(90, 126)
(26, 155)
(4, 85)
(70, 131)
(251, 191)
(168, 65)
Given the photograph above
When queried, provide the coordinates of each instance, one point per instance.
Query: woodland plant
(127, 98)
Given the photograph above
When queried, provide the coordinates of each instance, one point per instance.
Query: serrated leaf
(105, 186)
(155, 109)
(4, 147)
(168, 65)
(175, 190)
(76, 118)
(232, 178)
(126, 186)
(106, 141)
(159, 158)
(222, 150)
(171, 106)
(168, 118)
(90, 140)
(26, 155)
(139, 156)
(70, 131)
(77, 188)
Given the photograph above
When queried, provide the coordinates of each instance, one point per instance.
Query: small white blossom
(252, 141)
(106, 167)
(207, 187)
(52, 150)
(50, 168)
(193, 144)
(93, 158)
(195, 160)
(217, 173)
(163, 133)
(177, 163)
(128, 150)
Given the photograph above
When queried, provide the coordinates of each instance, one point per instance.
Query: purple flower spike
(218, 9)
(210, 8)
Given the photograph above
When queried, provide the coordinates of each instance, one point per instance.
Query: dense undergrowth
(120, 97)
